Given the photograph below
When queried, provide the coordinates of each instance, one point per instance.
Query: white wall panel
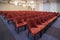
(46, 7)
(40, 7)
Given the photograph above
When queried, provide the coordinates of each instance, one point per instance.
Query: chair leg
(40, 33)
(4, 17)
(8, 21)
(28, 33)
(35, 37)
(25, 27)
(17, 30)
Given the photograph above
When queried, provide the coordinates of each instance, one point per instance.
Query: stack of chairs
(35, 21)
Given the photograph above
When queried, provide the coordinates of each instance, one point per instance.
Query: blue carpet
(57, 24)
(23, 35)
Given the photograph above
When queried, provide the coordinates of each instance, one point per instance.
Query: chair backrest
(9, 16)
(31, 23)
(38, 21)
(18, 20)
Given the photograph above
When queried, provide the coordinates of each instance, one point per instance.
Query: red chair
(38, 21)
(31, 23)
(1, 12)
(19, 23)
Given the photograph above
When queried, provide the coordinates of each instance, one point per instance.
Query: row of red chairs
(38, 25)
(13, 14)
(20, 18)
(35, 21)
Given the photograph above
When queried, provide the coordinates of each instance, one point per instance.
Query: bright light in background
(32, 4)
(31, 1)
(24, 5)
(16, 2)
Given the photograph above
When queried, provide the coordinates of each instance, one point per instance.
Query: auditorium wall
(52, 5)
(11, 7)
(58, 7)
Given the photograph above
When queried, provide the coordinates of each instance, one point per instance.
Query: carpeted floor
(7, 31)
